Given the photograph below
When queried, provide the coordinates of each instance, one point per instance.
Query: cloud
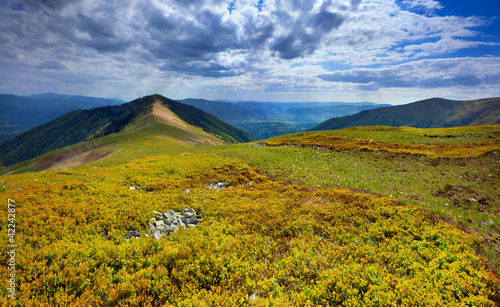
(251, 43)
(53, 65)
(430, 73)
(429, 5)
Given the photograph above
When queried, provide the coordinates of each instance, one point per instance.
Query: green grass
(430, 136)
(462, 191)
(261, 242)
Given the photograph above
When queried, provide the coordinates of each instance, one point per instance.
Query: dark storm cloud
(305, 34)
(434, 73)
(100, 32)
(173, 37)
(257, 35)
(326, 21)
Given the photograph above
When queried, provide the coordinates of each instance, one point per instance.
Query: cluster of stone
(164, 223)
(217, 186)
(170, 221)
(137, 188)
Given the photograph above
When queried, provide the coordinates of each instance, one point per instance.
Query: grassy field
(460, 186)
(308, 220)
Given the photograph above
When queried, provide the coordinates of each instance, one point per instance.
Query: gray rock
(188, 212)
(131, 234)
(217, 186)
(157, 234)
(171, 221)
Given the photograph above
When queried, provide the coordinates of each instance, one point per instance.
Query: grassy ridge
(261, 242)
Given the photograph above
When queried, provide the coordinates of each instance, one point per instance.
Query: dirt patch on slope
(166, 116)
(72, 158)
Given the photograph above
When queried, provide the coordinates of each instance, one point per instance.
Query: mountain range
(18, 114)
(429, 113)
(220, 122)
(184, 121)
(261, 119)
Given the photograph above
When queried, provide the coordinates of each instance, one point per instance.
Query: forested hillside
(429, 113)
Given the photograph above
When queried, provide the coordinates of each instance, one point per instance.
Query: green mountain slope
(82, 125)
(435, 113)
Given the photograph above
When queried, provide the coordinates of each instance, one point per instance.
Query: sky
(384, 51)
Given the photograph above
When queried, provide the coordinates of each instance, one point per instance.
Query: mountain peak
(145, 117)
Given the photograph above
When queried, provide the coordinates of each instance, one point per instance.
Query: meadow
(451, 172)
(307, 220)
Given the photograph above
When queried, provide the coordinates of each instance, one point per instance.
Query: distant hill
(81, 125)
(267, 119)
(278, 108)
(429, 113)
(18, 114)
(90, 101)
(314, 115)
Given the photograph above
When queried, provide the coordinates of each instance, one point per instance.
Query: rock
(132, 234)
(159, 223)
(165, 223)
(188, 212)
(157, 234)
(217, 186)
